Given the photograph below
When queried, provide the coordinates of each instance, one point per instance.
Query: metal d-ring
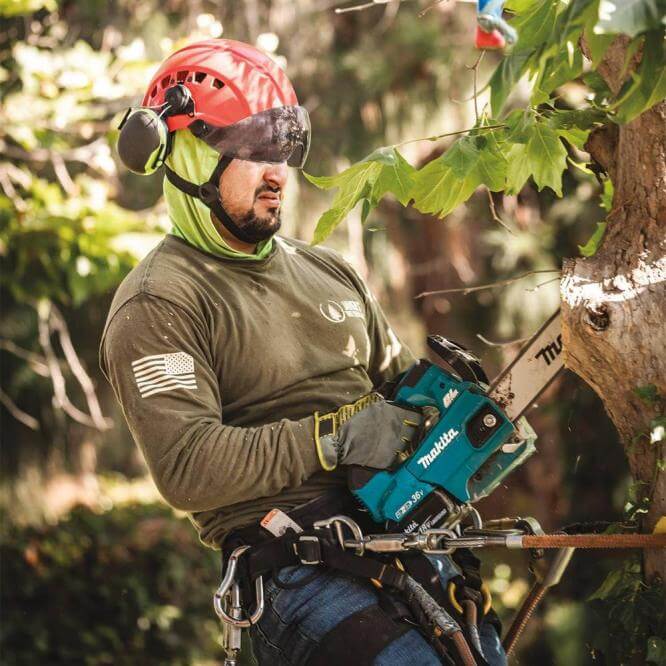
(337, 522)
(229, 583)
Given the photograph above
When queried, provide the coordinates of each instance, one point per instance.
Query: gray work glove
(369, 432)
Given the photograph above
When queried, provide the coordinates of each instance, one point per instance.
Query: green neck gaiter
(193, 160)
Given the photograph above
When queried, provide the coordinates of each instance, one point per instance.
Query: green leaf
(609, 586)
(365, 210)
(590, 248)
(492, 164)
(648, 394)
(574, 126)
(547, 157)
(327, 222)
(601, 93)
(446, 182)
(353, 185)
(518, 169)
(606, 201)
(630, 17)
(556, 72)
(396, 177)
(535, 26)
(519, 125)
(571, 21)
(580, 118)
(648, 84)
(326, 182)
(597, 44)
(519, 6)
(533, 148)
(383, 171)
(384, 155)
(507, 74)
(576, 137)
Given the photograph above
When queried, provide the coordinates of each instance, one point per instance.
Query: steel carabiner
(229, 583)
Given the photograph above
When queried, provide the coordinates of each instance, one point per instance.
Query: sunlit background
(95, 568)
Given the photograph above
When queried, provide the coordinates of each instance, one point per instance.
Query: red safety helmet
(228, 80)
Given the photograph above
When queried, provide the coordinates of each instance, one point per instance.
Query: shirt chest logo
(336, 312)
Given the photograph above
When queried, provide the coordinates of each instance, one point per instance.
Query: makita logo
(550, 352)
(450, 396)
(444, 440)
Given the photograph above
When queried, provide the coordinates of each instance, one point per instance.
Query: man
(232, 350)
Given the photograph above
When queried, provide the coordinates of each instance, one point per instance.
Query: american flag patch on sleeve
(164, 372)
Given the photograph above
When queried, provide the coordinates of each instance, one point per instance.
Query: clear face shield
(275, 135)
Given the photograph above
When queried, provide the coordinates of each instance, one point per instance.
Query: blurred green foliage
(128, 586)
(62, 248)
(65, 233)
(625, 601)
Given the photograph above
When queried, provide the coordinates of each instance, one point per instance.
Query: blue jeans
(296, 620)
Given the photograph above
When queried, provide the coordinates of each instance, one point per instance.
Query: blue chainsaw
(480, 437)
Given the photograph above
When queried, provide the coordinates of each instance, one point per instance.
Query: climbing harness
(339, 542)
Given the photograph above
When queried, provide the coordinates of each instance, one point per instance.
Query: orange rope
(594, 541)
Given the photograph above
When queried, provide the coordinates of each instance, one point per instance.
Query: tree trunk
(613, 303)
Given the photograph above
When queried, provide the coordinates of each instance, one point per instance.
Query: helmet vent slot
(199, 76)
(181, 76)
(165, 81)
(217, 83)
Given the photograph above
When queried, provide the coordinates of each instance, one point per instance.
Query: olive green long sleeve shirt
(219, 365)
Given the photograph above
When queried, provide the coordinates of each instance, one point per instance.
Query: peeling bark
(614, 303)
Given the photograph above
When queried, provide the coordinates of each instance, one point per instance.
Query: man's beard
(259, 228)
(256, 227)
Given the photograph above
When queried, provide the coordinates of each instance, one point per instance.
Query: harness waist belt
(268, 554)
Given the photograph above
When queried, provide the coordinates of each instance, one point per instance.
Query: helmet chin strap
(209, 194)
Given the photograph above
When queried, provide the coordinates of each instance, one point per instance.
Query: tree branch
(62, 401)
(58, 324)
(37, 362)
(480, 287)
(475, 71)
(441, 136)
(495, 216)
(62, 174)
(10, 191)
(542, 284)
(82, 154)
(27, 420)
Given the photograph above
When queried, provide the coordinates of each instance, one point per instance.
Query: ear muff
(145, 140)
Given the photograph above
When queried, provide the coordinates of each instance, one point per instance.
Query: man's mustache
(262, 189)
